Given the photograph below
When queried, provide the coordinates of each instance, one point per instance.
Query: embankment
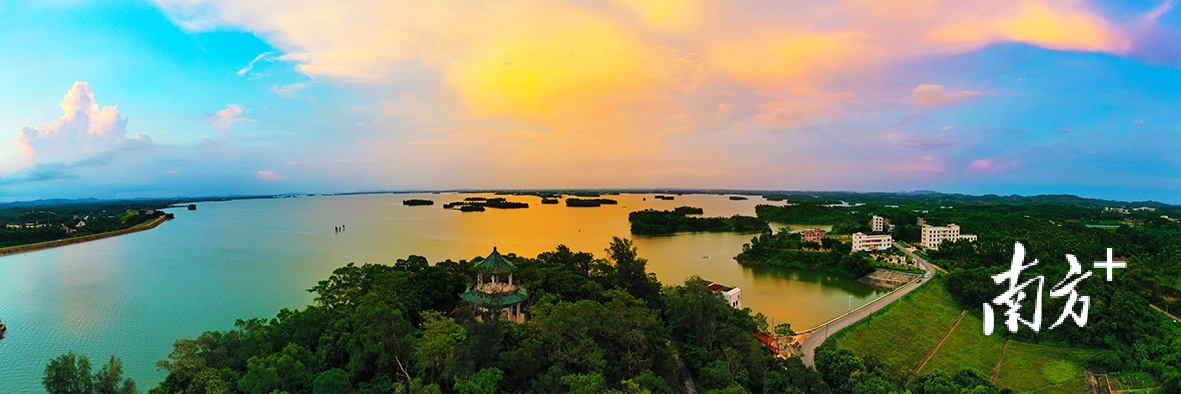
(77, 240)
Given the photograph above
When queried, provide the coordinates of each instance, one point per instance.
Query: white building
(869, 243)
(733, 295)
(935, 235)
(878, 223)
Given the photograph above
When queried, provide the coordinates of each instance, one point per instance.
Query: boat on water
(3, 328)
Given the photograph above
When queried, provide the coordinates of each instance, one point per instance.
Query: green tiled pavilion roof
(495, 263)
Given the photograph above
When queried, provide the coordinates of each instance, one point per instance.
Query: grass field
(967, 346)
(901, 334)
(1040, 368)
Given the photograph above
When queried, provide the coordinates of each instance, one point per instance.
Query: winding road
(818, 334)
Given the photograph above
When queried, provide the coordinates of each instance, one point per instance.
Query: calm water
(133, 295)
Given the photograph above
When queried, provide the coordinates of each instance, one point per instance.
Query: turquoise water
(132, 296)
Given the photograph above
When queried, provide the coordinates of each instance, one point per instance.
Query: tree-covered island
(654, 222)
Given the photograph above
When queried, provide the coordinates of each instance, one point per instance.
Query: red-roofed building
(769, 342)
(733, 295)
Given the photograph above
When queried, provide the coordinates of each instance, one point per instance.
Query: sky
(121, 99)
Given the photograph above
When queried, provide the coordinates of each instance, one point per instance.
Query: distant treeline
(589, 202)
(414, 202)
(57, 228)
(653, 222)
(469, 204)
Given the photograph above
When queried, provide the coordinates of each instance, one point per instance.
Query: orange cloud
(1063, 27)
(667, 14)
(558, 70)
(772, 59)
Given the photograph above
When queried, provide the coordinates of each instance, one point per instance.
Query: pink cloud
(223, 119)
(928, 95)
(271, 176)
(925, 164)
(803, 105)
(991, 167)
(83, 128)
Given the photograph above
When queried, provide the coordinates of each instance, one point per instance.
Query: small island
(589, 202)
(737, 198)
(666, 198)
(549, 200)
(653, 222)
(472, 208)
(478, 204)
(415, 202)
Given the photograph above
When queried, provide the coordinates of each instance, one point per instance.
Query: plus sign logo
(1076, 305)
(1109, 265)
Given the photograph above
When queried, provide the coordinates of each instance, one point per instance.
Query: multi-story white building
(878, 223)
(935, 235)
(870, 243)
(733, 295)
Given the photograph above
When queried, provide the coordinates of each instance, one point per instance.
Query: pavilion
(494, 289)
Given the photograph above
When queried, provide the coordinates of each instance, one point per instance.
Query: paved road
(821, 333)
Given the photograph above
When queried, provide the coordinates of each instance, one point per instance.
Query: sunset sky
(212, 97)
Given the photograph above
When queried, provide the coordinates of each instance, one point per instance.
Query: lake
(132, 296)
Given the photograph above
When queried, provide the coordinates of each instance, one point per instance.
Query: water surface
(133, 295)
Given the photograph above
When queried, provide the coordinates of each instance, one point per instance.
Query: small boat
(3, 328)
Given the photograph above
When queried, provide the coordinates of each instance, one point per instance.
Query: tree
(631, 271)
(109, 379)
(70, 374)
(482, 382)
(332, 381)
(588, 383)
(441, 339)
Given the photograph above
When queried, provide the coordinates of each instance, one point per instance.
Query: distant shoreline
(77, 240)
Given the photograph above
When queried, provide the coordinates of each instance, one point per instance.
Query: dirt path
(940, 343)
(996, 371)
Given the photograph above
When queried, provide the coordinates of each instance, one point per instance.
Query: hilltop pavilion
(494, 289)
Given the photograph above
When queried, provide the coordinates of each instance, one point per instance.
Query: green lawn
(901, 334)
(1040, 368)
(967, 346)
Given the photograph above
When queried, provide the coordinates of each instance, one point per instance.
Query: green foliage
(400, 329)
(653, 222)
(482, 382)
(789, 250)
(332, 381)
(70, 373)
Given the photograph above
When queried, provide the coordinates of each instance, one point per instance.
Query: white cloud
(250, 66)
(84, 128)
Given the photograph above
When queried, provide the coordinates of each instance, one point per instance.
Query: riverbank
(86, 238)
